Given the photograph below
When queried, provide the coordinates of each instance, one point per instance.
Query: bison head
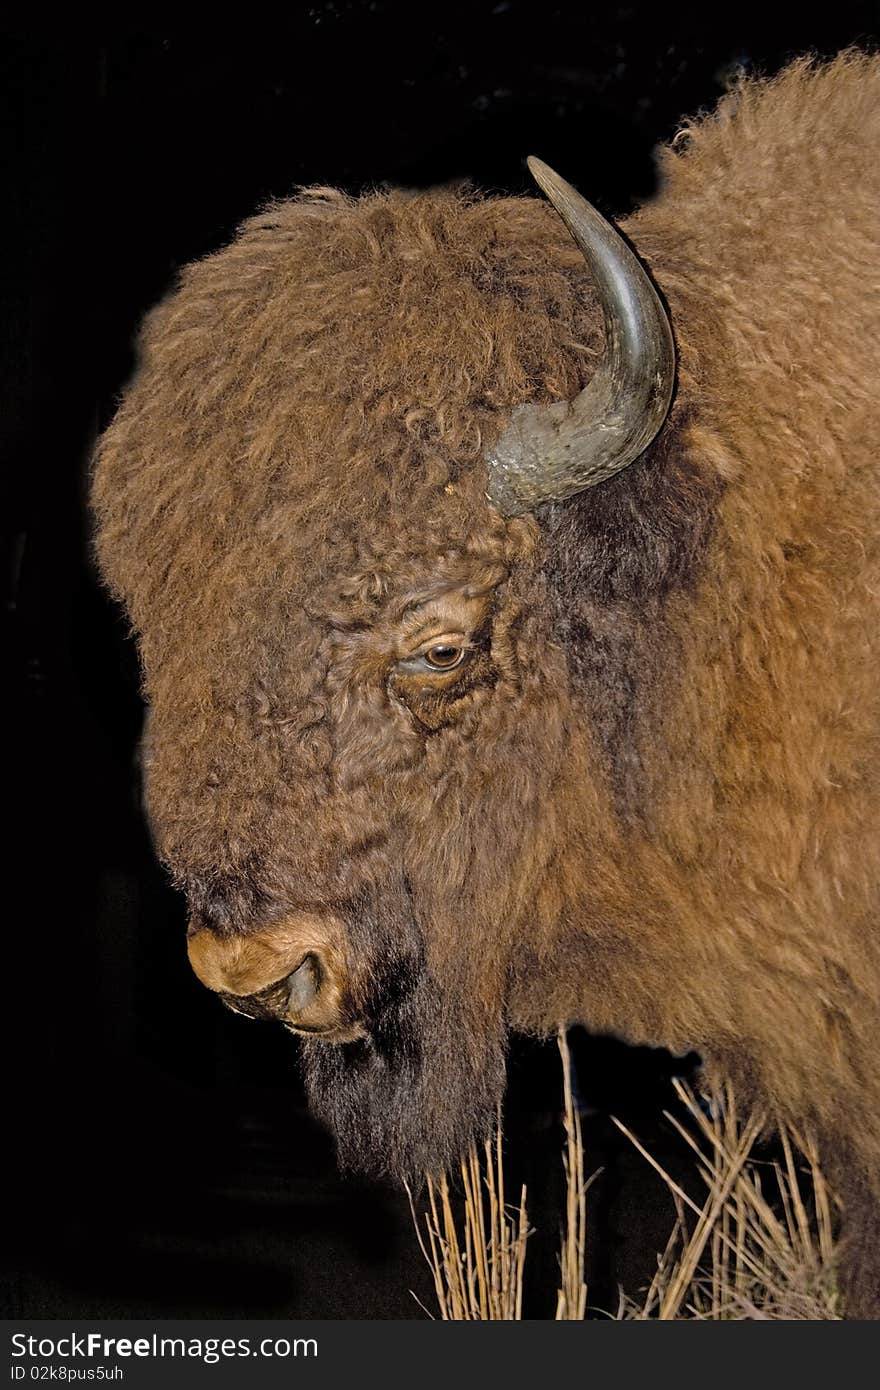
(370, 765)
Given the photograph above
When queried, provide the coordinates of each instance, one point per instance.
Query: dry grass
(571, 1298)
(758, 1246)
(477, 1258)
(738, 1254)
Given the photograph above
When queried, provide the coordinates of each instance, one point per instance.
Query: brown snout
(294, 970)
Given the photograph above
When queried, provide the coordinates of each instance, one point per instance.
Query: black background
(161, 1159)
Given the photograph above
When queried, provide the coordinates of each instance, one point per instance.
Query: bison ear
(549, 453)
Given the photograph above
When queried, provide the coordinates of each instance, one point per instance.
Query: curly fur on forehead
(336, 373)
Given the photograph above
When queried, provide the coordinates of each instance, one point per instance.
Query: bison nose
(293, 970)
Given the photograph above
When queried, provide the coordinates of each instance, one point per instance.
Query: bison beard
(426, 1081)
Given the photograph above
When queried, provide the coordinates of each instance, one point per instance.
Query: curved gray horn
(551, 452)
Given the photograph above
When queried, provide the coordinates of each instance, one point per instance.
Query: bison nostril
(303, 986)
(289, 998)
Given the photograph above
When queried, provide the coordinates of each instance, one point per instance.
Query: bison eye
(443, 656)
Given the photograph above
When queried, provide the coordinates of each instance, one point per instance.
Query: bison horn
(548, 453)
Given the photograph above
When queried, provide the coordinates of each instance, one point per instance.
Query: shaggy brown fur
(648, 798)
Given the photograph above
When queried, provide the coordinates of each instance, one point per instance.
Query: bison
(507, 604)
